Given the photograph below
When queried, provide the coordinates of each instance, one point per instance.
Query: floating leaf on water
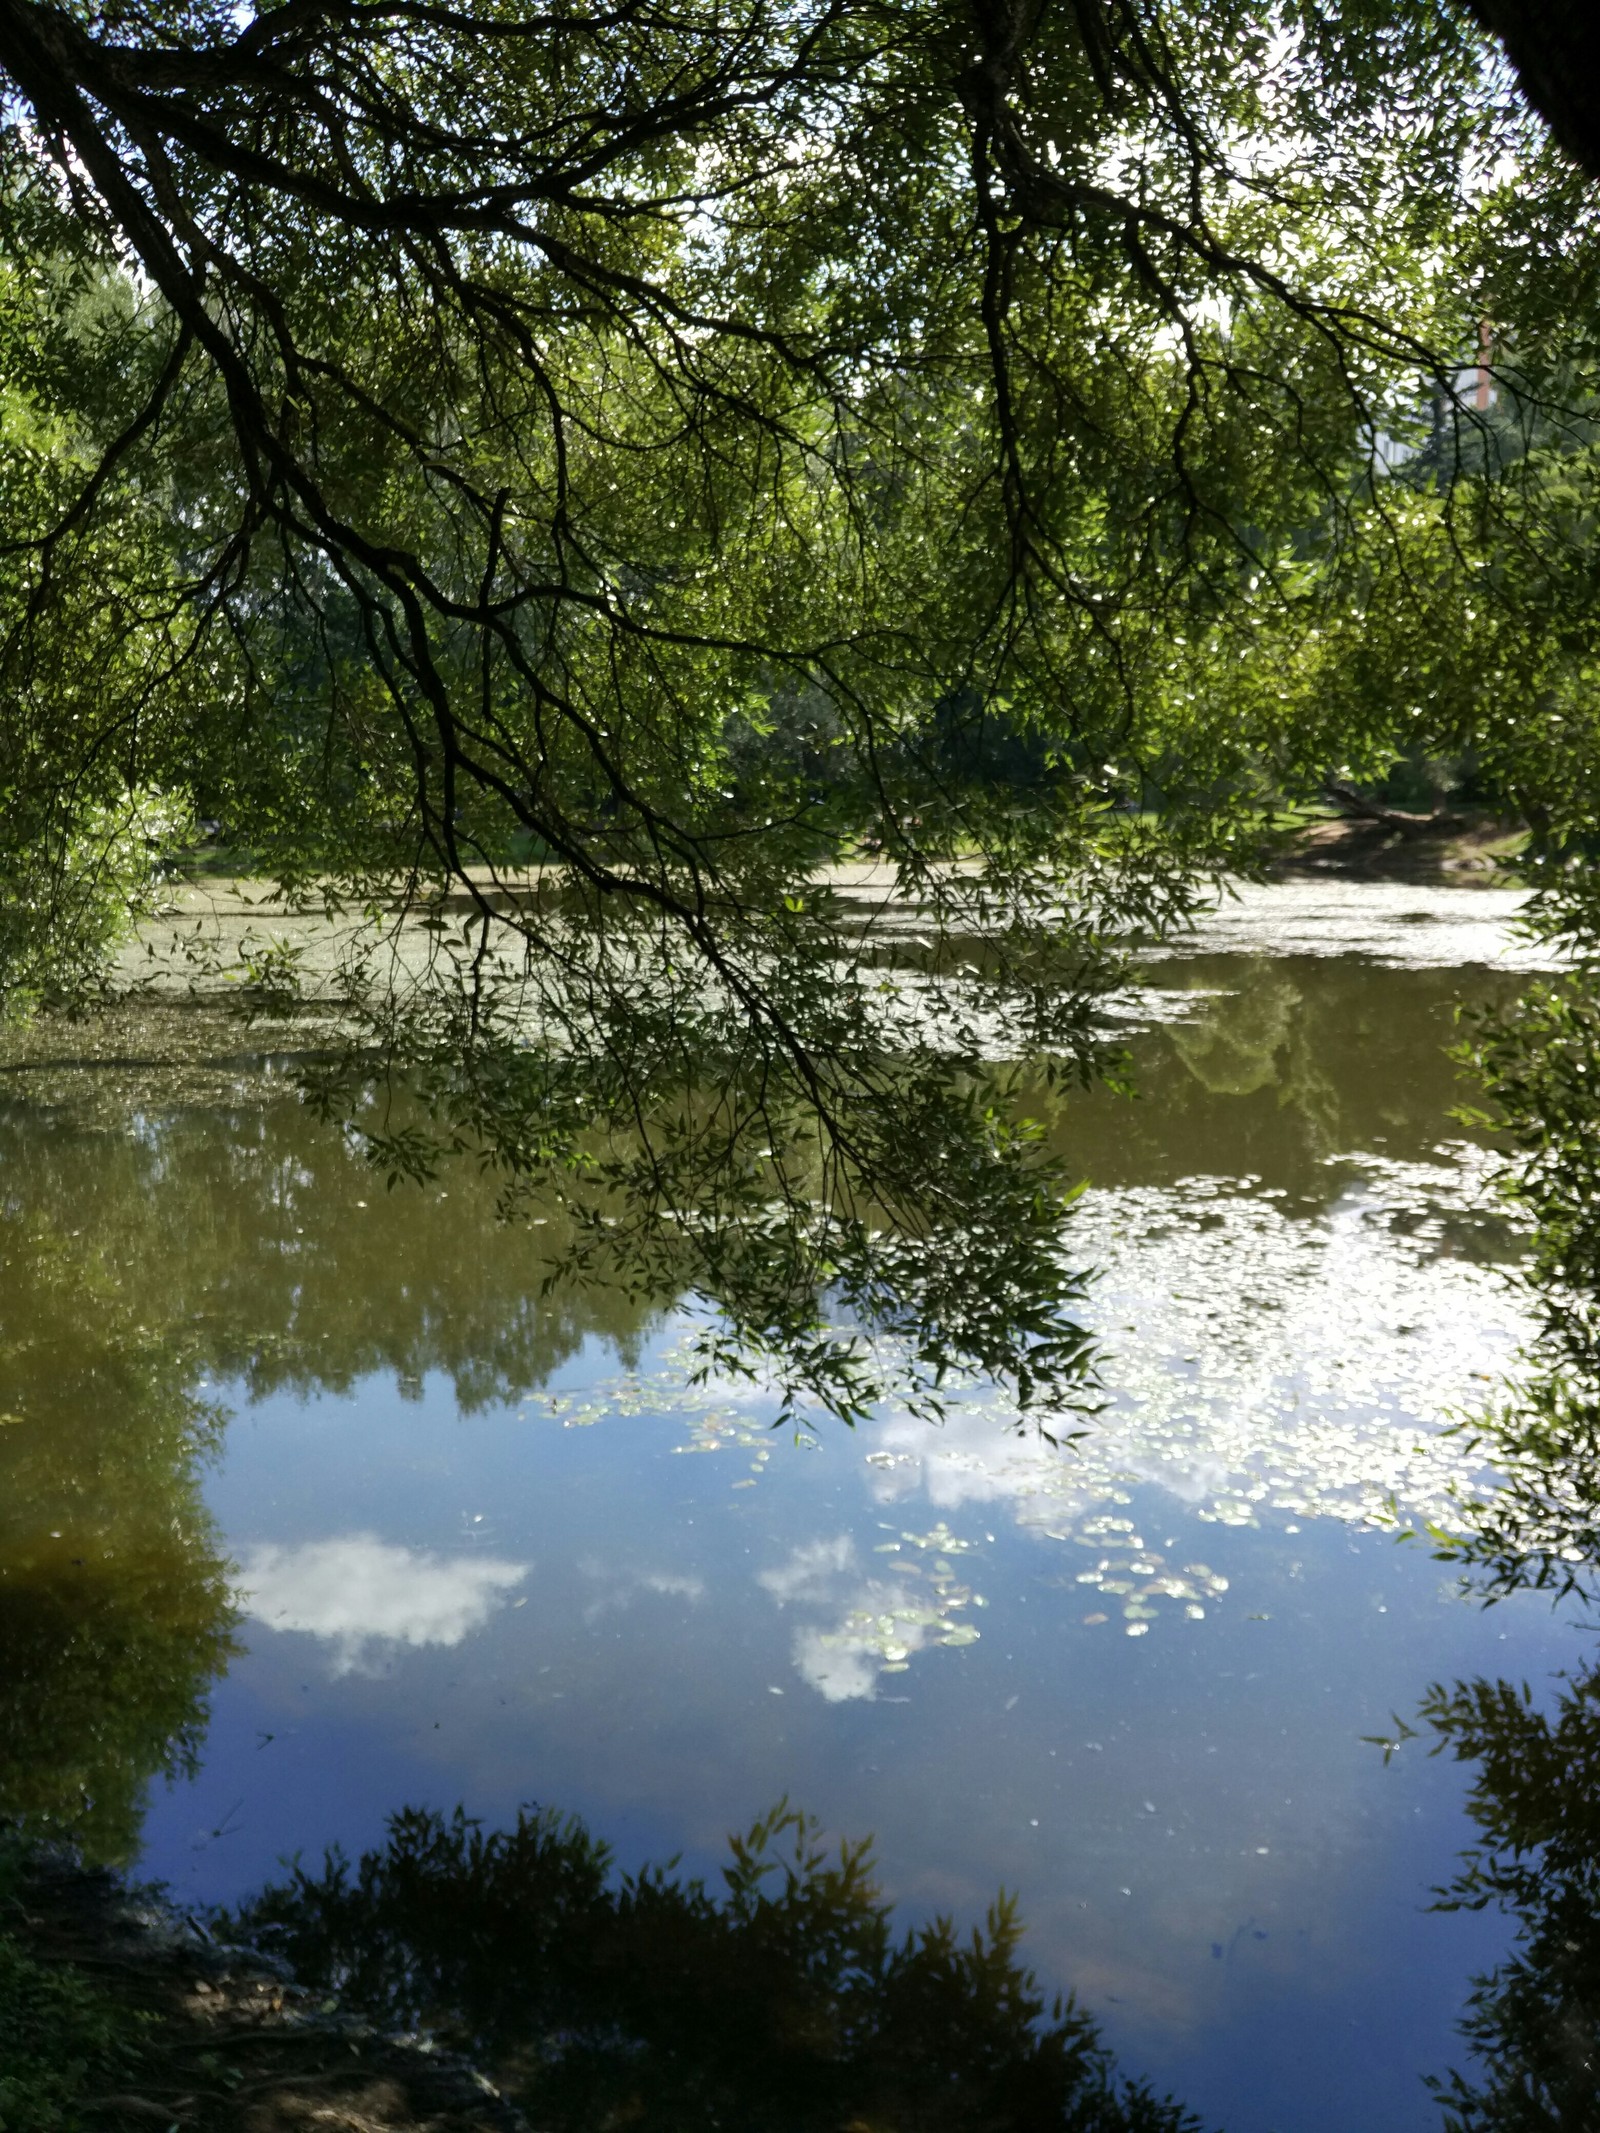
(1136, 1629)
(963, 1633)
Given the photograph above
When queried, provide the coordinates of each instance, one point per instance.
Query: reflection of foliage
(56, 2031)
(114, 1611)
(648, 2002)
(136, 1263)
(1533, 2024)
(1276, 1071)
(59, 2032)
(261, 1246)
(1233, 1048)
(1541, 1061)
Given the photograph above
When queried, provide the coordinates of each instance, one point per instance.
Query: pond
(489, 1545)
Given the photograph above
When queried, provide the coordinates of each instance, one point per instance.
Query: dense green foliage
(784, 2002)
(684, 450)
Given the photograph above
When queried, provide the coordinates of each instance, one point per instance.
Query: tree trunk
(1555, 47)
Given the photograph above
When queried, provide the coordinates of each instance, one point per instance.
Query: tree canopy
(559, 482)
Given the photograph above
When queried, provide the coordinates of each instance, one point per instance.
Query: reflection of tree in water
(1235, 1045)
(114, 1609)
(786, 2002)
(252, 1245)
(1283, 1062)
(1533, 2023)
(1344, 1054)
(287, 1266)
(247, 1244)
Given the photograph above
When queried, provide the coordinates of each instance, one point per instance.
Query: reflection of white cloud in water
(1256, 1359)
(869, 1623)
(360, 1592)
(812, 1571)
(620, 1588)
(1262, 1364)
(836, 1668)
(674, 1587)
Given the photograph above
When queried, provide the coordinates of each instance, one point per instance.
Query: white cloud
(359, 1592)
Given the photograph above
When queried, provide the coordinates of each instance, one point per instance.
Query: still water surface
(488, 1545)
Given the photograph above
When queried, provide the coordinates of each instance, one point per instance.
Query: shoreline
(1463, 852)
(201, 2036)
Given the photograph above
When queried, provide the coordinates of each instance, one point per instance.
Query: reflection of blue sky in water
(629, 1598)
(1128, 1680)
(585, 1616)
(362, 1595)
(1261, 1367)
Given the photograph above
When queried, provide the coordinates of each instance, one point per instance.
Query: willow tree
(667, 444)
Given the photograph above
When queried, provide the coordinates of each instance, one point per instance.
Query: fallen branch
(1396, 818)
